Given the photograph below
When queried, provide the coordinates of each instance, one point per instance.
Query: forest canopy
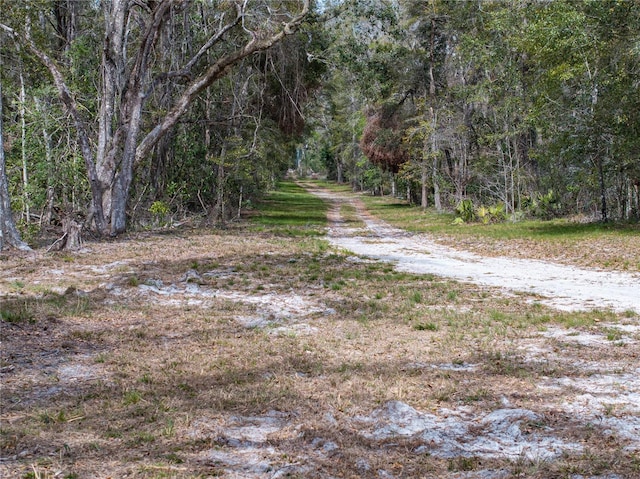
(120, 113)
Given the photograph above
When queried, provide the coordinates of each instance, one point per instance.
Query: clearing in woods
(268, 350)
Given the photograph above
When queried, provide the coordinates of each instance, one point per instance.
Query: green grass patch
(291, 211)
(413, 218)
(425, 327)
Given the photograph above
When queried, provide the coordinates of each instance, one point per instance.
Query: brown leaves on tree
(381, 139)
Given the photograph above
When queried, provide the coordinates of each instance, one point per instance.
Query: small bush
(545, 206)
(159, 210)
(466, 211)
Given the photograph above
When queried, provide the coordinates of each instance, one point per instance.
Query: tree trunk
(113, 71)
(46, 137)
(218, 209)
(72, 234)
(437, 201)
(603, 190)
(23, 127)
(424, 201)
(8, 231)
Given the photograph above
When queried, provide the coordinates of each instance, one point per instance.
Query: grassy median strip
(291, 210)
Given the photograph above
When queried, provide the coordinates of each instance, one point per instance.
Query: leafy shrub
(498, 212)
(159, 210)
(485, 214)
(465, 211)
(542, 206)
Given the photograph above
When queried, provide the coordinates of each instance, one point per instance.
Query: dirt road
(561, 286)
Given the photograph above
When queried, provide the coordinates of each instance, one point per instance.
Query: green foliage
(545, 206)
(159, 210)
(482, 212)
(291, 210)
(505, 101)
(498, 212)
(465, 211)
(28, 231)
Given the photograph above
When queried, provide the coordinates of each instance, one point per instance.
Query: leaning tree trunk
(8, 231)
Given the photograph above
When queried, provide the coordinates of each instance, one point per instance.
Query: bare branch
(216, 71)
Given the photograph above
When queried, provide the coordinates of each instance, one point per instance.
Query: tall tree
(8, 231)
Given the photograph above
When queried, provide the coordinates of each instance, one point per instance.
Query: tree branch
(185, 72)
(216, 71)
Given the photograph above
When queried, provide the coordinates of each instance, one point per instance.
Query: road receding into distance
(561, 286)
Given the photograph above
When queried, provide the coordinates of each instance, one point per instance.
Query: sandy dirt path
(561, 286)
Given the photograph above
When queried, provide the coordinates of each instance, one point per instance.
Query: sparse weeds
(614, 334)
(16, 312)
(506, 364)
(464, 464)
(32, 309)
(416, 297)
(425, 327)
(131, 397)
(16, 285)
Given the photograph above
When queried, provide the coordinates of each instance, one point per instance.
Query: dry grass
(108, 371)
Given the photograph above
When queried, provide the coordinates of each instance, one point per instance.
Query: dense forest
(119, 114)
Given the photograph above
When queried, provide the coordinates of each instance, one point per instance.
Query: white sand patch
(459, 433)
(604, 476)
(608, 401)
(590, 338)
(598, 393)
(271, 307)
(252, 322)
(299, 329)
(250, 463)
(244, 451)
(483, 474)
(77, 372)
(459, 367)
(239, 430)
(107, 268)
(564, 287)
